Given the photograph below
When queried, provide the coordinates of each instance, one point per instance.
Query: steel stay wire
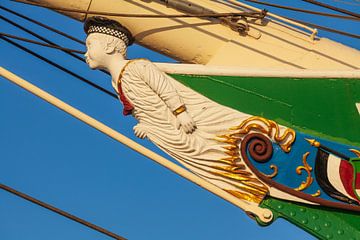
(60, 212)
(333, 8)
(304, 10)
(42, 25)
(60, 67)
(322, 27)
(132, 15)
(87, 81)
(40, 43)
(41, 37)
(326, 28)
(241, 14)
(46, 59)
(27, 197)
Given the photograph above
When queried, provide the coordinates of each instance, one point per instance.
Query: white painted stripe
(358, 107)
(198, 69)
(274, 192)
(333, 167)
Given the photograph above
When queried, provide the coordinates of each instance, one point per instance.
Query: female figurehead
(180, 121)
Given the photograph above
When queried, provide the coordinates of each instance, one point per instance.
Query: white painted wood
(274, 192)
(198, 69)
(333, 168)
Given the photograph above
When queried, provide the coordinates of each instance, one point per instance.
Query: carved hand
(186, 122)
(140, 130)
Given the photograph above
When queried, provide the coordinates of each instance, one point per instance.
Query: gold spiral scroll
(274, 174)
(270, 128)
(250, 187)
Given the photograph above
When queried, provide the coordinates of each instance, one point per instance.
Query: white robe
(155, 95)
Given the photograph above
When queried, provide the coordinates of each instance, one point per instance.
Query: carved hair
(111, 41)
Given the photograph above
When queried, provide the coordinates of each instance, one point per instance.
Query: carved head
(105, 38)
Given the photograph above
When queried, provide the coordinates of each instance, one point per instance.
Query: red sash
(127, 105)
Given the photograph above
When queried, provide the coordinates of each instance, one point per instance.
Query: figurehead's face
(95, 55)
(100, 47)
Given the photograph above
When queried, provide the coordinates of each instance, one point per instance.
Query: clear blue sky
(58, 159)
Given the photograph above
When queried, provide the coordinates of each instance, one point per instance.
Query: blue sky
(58, 159)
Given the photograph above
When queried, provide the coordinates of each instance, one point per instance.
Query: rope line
(61, 212)
(40, 43)
(42, 25)
(38, 36)
(129, 15)
(60, 67)
(304, 10)
(250, 14)
(326, 28)
(333, 8)
(43, 38)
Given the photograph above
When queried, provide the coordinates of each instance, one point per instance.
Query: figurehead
(107, 40)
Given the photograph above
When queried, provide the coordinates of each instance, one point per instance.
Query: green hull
(320, 107)
(323, 223)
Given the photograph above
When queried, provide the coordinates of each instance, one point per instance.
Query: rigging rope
(304, 10)
(253, 14)
(42, 25)
(326, 28)
(38, 36)
(348, 2)
(60, 67)
(61, 212)
(41, 37)
(322, 27)
(259, 15)
(332, 8)
(40, 43)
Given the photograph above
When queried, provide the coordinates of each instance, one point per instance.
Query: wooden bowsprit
(263, 215)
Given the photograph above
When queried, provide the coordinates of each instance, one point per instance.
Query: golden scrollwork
(252, 188)
(276, 170)
(309, 179)
(285, 139)
(305, 184)
(318, 193)
(246, 196)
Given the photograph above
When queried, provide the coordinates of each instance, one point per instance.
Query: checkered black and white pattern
(109, 31)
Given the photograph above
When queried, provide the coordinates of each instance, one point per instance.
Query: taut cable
(40, 43)
(61, 212)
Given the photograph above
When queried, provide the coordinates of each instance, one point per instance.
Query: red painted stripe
(346, 172)
(357, 181)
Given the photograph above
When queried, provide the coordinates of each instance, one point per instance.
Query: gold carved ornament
(255, 189)
(309, 179)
